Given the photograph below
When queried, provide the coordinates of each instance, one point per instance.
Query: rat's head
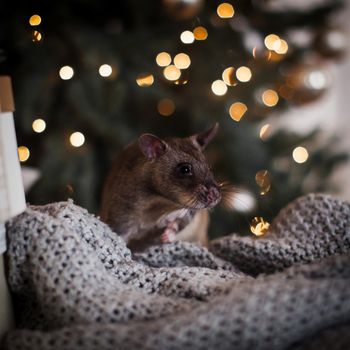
(177, 169)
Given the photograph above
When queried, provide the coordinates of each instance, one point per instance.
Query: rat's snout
(213, 194)
(210, 194)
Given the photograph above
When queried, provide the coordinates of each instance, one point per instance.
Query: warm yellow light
(105, 70)
(200, 33)
(219, 88)
(166, 107)
(187, 37)
(182, 61)
(145, 80)
(300, 155)
(225, 10)
(243, 74)
(263, 180)
(23, 153)
(66, 72)
(237, 111)
(36, 36)
(259, 226)
(266, 55)
(39, 125)
(163, 59)
(275, 56)
(276, 45)
(265, 131)
(261, 54)
(181, 81)
(77, 139)
(272, 42)
(283, 48)
(255, 52)
(270, 98)
(35, 20)
(228, 76)
(172, 73)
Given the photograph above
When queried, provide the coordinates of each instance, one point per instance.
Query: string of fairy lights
(174, 69)
(275, 47)
(76, 138)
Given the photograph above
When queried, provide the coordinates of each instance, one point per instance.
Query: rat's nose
(208, 194)
(212, 195)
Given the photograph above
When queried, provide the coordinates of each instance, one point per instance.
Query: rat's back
(120, 188)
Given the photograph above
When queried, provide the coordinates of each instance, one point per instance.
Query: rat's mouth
(201, 197)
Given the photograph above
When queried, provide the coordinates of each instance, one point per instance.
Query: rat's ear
(203, 138)
(152, 146)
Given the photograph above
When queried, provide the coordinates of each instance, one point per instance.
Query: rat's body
(157, 189)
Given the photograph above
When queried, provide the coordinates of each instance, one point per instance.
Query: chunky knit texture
(77, 286)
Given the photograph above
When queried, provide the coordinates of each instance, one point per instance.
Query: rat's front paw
(168, 236)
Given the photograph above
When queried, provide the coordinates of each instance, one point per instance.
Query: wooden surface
(6, 97)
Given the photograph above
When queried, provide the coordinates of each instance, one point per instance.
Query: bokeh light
(172, 73)
(219, 88)
(182, 61)
(36, 36)
(145, 79)
(259, 226)
(283, 47)
(270, 98)
(237, 111)
(77, 139)
(163, 59)
(336, 39)
(243, 74)
(240, 200)
(183, 80)
(263, 180)
(316, 79)
(66, 72)
(265, 131)
(200, 33)
(272, 42)
(187, 37)
(300, 155)
(261, 54)
(39, 125)
(35, 20)
(228, 76)
(166, 107)
(225, 10)
(23, 153)
(105, 70)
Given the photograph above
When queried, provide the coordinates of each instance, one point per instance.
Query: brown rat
(159, 190)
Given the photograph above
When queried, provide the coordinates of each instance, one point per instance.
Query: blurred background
(90, 76)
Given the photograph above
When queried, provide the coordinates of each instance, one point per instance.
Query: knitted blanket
(77, 286)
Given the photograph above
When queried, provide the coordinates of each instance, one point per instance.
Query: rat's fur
(142, 196)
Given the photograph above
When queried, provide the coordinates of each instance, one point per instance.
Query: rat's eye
(184, 169)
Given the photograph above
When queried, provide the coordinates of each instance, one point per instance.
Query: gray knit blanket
(77, 286)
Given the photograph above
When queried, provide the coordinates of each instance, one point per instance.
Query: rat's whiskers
(231, 194)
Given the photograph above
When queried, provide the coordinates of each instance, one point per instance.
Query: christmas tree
(89, 78)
